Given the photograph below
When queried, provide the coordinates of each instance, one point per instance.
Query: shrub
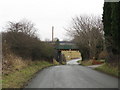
(27, 47)
(12, 63)
(95, 62)
(103, 55)
(92, 62)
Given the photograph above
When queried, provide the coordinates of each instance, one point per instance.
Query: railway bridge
(66, 51)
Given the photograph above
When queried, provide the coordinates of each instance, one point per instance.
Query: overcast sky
(47, 13)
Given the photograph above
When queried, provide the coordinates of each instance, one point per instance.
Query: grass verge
(92, 62)
(109, 69)
(19, 78)
(79, 61)
(86, 62)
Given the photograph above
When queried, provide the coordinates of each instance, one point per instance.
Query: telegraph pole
(52, 33)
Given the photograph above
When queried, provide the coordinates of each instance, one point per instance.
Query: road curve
(72, 76)
(74, 61)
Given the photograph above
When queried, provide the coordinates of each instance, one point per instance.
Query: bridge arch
(66, 50)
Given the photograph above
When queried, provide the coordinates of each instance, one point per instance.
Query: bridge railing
(67, 47)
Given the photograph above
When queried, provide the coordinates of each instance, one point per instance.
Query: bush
(12, 63)
(27, 47)
(103, 55)
(86, 62)
(95, 62)
(92, 62)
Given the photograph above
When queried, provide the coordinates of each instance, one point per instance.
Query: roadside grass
(55, 62)
(109, 69)
(0, 81)
(63, 63)
(79, 61)
(19, 78)
(86, 62)
(92, 62)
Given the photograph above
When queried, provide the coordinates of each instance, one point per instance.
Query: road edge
(34, 75)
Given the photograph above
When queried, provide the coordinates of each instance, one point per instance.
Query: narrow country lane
(72, 76)
(74, 61)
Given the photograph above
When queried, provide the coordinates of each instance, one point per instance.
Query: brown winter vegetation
(109, 69)
(92, 62)
(12, 63)
(24, 54)
(87, 33)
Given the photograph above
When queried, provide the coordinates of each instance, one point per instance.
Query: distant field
(71, 54)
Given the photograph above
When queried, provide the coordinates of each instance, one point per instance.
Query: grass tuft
(17, 79)
(109, 69)
(79, 61)
(55, 62)
(86, 62)
(92, 62)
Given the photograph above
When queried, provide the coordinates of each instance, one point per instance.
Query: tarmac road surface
(72, 76)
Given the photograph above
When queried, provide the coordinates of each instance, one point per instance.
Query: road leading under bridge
(72, 76)
(66, 51)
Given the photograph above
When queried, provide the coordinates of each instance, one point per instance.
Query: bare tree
(23, 26)
(23, 42)
(87, 33)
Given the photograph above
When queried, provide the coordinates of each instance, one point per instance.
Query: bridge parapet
(60, 47)
(67, 47)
